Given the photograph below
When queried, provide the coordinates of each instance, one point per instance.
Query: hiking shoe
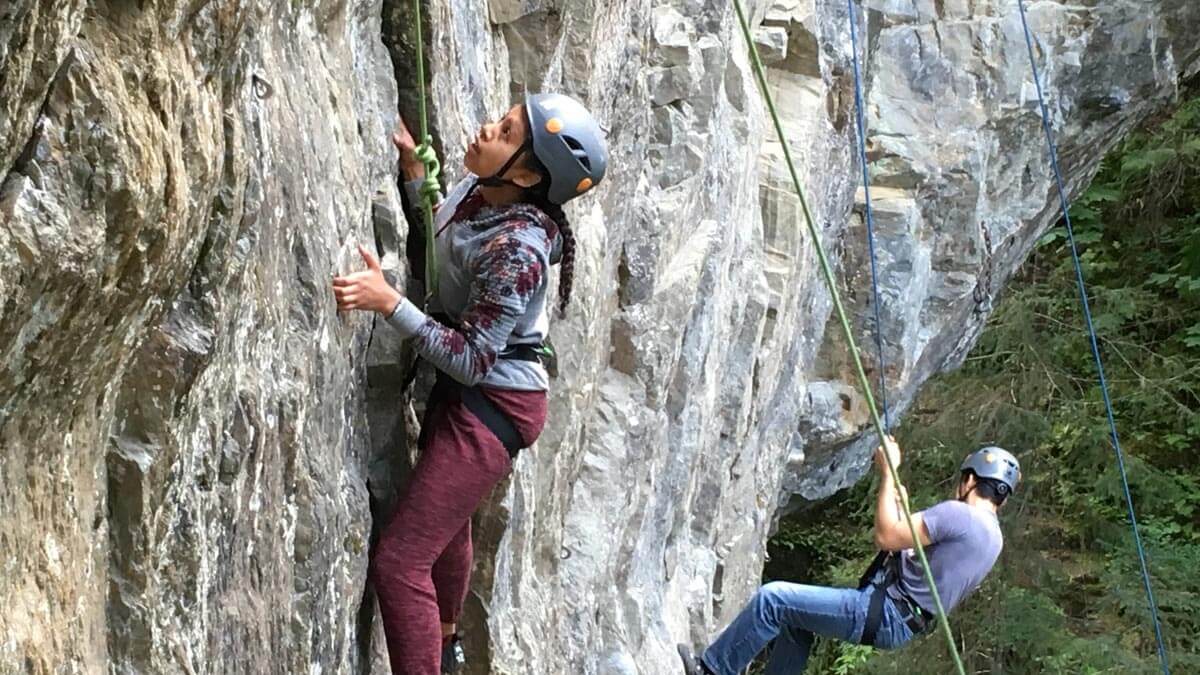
(453, 656)
(692, 665)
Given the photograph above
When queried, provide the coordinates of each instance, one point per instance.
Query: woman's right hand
(404, 142)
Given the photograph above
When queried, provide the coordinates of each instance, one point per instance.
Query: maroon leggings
(421, 568)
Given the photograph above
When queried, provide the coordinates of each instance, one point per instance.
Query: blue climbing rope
(1087, 315)
(847, 331)
(862, 160)
(852, 17)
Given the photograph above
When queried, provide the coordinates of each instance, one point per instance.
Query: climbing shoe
(692, 665)
(453, 656)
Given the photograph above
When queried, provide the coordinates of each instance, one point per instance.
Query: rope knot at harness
(431, 187)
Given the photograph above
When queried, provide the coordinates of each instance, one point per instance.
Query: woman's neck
(501, 196)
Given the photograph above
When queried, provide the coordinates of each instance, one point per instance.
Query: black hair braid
(566, 279)
(539, 197)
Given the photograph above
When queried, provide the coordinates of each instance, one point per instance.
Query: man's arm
(891, 529)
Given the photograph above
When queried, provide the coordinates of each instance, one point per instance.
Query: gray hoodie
(492, 265)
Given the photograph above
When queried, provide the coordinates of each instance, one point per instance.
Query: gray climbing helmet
(568, 142)
(995, 463)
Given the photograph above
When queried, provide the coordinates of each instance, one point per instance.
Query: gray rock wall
(181, 410)
(188, 428)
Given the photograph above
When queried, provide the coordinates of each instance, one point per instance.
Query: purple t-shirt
(965, 544)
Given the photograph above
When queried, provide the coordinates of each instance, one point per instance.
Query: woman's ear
(524, 177)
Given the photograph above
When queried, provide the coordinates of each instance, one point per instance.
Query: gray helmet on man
(995, 463)
(568, 142)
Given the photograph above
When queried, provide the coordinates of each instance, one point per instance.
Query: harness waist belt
(913, 615)
(482, 407)
(881, 576)
(477, 402)
(522, 353)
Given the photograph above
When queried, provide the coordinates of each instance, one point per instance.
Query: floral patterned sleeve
(507, 271)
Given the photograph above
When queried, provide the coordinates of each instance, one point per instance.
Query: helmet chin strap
(496, 180)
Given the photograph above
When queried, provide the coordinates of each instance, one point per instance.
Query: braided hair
(538, 196)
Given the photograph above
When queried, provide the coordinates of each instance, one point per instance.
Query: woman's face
(496, 142)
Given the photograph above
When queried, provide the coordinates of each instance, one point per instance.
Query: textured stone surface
(192, 439)
(181, 410)
(771, 42)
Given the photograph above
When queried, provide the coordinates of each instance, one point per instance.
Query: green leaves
(1147, 160)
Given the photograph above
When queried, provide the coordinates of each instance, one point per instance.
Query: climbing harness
(447, 389)
(431, 187)
(827, 273)
(882, 578)
(474, 399)
(1087, 315)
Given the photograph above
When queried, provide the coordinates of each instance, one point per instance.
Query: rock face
(182, 482)
(188, 428)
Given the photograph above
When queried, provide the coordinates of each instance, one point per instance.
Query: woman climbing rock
(496, 237)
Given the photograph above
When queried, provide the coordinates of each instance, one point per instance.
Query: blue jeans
(793, 614)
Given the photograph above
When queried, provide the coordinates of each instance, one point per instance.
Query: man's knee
(775, 591)
(768, 599)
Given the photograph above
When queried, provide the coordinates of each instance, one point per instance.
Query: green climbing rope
(864, 383)
(431, 188)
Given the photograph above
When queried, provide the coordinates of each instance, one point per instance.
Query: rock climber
(497, 232)
(893, 603)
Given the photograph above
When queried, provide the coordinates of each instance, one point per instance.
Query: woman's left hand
(366, 290)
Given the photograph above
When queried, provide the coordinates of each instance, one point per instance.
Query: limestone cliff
(192, 440)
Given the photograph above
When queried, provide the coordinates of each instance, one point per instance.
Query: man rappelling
(893, 603)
